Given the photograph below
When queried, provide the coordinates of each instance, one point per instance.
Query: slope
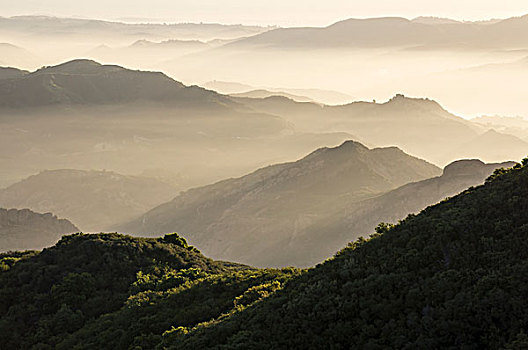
(27, 230)
(361, 218)
(451, 277)
(493, 146)
(394, 32)
(417, 125)
(238, 219)
(47, 295)
(91, 199)
(88, 82)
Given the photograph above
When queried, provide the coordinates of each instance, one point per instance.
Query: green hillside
(451, 277)
(47, 296)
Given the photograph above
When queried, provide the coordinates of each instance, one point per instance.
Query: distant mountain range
(316, 95)
(90, 29)
(361, 218)
(81, 107)
(397, 32)
(88, 82)
(516, 126)
(299, 213)
(416, 125)
(13, 55)
(452, 276)
(239, 219)
(93, 200)
(27, 230)
(265, 94)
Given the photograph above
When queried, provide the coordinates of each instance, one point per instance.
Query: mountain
(169, 43)
(92, 200)
(361, 218)
(317, 95)
(88, 82)
(12, 55)
(239, 219)
(27, 230)
(416, 125)
(110, 117)
(146, 53)
(265, 94)
(10, 73)
(61, 29)
(449, 277)
(516, 126)
(395, 32)
(84, 277)
(504, 146)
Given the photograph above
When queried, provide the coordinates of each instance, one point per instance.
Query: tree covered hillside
(47, 296)
(452, 277)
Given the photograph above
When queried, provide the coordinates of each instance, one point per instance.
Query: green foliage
(451, 277)
(47, 295)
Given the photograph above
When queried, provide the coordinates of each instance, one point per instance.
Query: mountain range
(451, 276)
(299, 213)
(27, 230)
(88, 82)
(92, 200)
(240, 219)
(397, 32)
(73, 113)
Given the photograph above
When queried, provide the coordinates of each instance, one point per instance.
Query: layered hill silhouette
(57, 28)
(417, 125)
(359, 219)
(504, 146)
(27, 230)
(92, 200)
(516, 126)
(105, 116)
(316, 95)
(240, 219)
(396, 32)
(434, 280)
(451, 276)
(13, 55)
(265, 94)
(88, 82)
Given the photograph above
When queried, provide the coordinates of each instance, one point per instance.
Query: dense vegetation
(451, 277)
(81, 281)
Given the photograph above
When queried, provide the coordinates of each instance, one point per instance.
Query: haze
(275, 12)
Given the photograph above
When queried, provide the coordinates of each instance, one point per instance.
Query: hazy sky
(280, 12)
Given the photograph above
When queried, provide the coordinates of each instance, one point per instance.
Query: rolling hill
(239, 219)
(27, 230)
(395, 32)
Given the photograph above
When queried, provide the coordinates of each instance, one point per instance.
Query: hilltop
(240, 219)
